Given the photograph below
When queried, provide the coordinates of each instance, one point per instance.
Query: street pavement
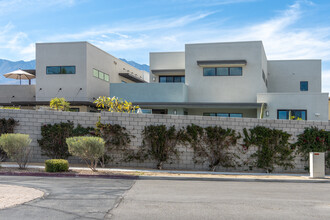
(189, 199)
(67, 198)
(169, 198)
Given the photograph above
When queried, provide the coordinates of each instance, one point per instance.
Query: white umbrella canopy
(19, 74)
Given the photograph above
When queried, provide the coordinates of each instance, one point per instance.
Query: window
(223, 71)
(95, 73)
(209, 71)
(106, 77)
(303, 85)
(101, 75)
(295, 114)
(60, 70)
(171, 79)
(225, 115)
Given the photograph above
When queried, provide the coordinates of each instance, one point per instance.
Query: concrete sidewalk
(197, 175)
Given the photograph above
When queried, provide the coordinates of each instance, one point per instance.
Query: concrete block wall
(30, 122)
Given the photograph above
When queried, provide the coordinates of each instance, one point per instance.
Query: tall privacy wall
(30, 122)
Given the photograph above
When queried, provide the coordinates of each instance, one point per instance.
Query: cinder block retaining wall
(30, 122)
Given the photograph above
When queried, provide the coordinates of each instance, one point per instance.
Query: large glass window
(171, 79)
(223, 71)
(303, 85)
(225, 115)
(294, 114)
(60, 70)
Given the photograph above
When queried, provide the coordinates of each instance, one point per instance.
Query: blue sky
(130, 29)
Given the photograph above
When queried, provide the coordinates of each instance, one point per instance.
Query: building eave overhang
(167, 71)
(221, 63)
(199, 105)
(132, 77)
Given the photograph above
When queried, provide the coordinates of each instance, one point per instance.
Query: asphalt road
(152, 198)
(178, 199)
(67, 198)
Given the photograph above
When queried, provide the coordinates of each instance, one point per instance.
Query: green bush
(313, 140)
(159, 144)
(212, 145)
(56, 165)
(90, 149)
(116, 138)
(6, 126)
(17, 147)
(53, 143)
(273, 148)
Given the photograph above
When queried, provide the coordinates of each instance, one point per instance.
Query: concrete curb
(225, 179)
(68, 175)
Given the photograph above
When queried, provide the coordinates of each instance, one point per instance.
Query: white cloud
(10, 7)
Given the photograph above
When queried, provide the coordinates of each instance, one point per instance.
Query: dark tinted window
(171, 79)
(223, 71)
(235, 71)
(209, 71)
(61, 70)
(303, 86)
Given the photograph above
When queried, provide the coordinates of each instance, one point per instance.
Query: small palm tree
(59, 104)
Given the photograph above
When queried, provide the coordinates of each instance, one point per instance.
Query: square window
(223, 71)
(95, 73)
(169, 79)
(209, 71)
(303, 85)
(283, 114)
(182, 79)
(162, 79)
(236, 71)
(225, 115)
(177, 79)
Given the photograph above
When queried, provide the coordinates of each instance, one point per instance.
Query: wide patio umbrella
(20, 74)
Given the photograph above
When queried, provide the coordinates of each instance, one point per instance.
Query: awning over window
(132, 77)
(221, 63)
(168, 71)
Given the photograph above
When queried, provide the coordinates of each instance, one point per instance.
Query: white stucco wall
(225, 88)
(16, 93)
(285, 75)
(314, 103)
(61, 54)
(167, 60)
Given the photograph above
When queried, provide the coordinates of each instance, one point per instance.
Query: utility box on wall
(317, 165)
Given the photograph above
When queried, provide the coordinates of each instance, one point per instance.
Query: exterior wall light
(267, 113)
(175, 112)
(317, 114)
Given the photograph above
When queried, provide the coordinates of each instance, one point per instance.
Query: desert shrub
(212, 145)
(17, 147)
(116, 138)
(273, 148)
(53, 141)
(159, 144)
(6, 126)
(90, 149)
(56, 165)
(313, 139)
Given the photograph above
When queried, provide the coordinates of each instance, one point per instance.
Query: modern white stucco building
(77, 71)
(232, 79)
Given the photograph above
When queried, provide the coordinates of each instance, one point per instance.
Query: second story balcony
(150, 92)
